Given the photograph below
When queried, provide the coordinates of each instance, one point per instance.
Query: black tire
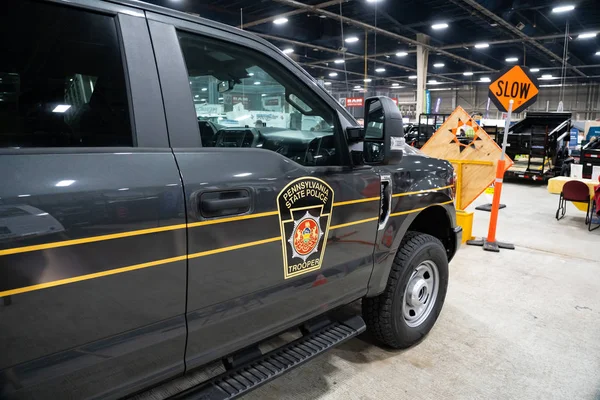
(383, 314)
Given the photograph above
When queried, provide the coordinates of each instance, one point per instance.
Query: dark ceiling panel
(409, 17)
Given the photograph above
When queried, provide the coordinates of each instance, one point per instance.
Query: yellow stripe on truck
(162, 261)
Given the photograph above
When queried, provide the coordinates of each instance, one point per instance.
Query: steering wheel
(316, 153)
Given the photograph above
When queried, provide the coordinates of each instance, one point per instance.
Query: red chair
(577, 192)
(595, 210)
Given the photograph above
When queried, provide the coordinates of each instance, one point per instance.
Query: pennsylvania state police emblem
(304, 206)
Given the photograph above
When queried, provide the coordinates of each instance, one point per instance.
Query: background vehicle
(178, 252)
(536, 145)
(417, 135)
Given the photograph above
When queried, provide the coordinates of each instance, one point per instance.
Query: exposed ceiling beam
(393, 80)
(349, 56)
(287, 14)
(350, 21)
(540, 68)
(398, 25)
(473, 4)
(543, 83)
(511, 41)
(491, 43)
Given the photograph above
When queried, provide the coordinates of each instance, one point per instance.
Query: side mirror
(225, 86)
(383, 131)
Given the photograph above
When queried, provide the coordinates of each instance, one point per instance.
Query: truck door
(280, 227)
(92, 223)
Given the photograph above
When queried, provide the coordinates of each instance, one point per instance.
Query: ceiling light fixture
(204, 89)
(339, 61)
(332, 74)
(512, 59)
(327, 83)
(588, 35)
(280, 21)
(66, 182)
(257, 83)
(534, 70)
(562, 9)
(289, 50)
(352, 39)
(482, 45)
(485, 79)
(380, 69)
(395, 84)
(439, 26)
(546, 77)
(438, 65)
(401, 54)
(61, 108)
(357, 87)
(412, 77)
(467, 73)
(368, 80)
(598, 53)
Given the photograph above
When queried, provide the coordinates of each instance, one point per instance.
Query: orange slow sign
(514, 83)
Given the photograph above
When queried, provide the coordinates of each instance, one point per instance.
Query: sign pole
(506, 128)
(490, 243)
(512, 90)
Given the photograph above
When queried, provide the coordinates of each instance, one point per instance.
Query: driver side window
(243, 98)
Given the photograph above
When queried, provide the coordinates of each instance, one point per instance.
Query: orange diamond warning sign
(514, 83)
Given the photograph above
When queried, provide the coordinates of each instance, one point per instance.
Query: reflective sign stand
(490, 243)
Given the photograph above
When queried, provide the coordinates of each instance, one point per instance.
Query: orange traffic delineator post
(490, 243)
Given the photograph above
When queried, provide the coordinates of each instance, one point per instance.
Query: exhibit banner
(573, 138)
(354, 102)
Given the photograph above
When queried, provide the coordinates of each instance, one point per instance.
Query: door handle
(230, 202)
(225, 204)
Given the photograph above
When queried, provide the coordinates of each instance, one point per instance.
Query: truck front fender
(437, 219)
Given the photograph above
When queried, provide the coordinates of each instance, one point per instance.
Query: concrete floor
(522, 324)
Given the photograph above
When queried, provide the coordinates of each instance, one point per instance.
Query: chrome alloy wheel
(421, 293)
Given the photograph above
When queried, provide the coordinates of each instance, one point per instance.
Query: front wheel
(413, 298)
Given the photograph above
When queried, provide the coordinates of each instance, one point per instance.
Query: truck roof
(142, 5)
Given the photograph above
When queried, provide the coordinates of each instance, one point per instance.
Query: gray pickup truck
(176, 191)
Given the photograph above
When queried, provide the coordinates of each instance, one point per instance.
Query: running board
(241, 380)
